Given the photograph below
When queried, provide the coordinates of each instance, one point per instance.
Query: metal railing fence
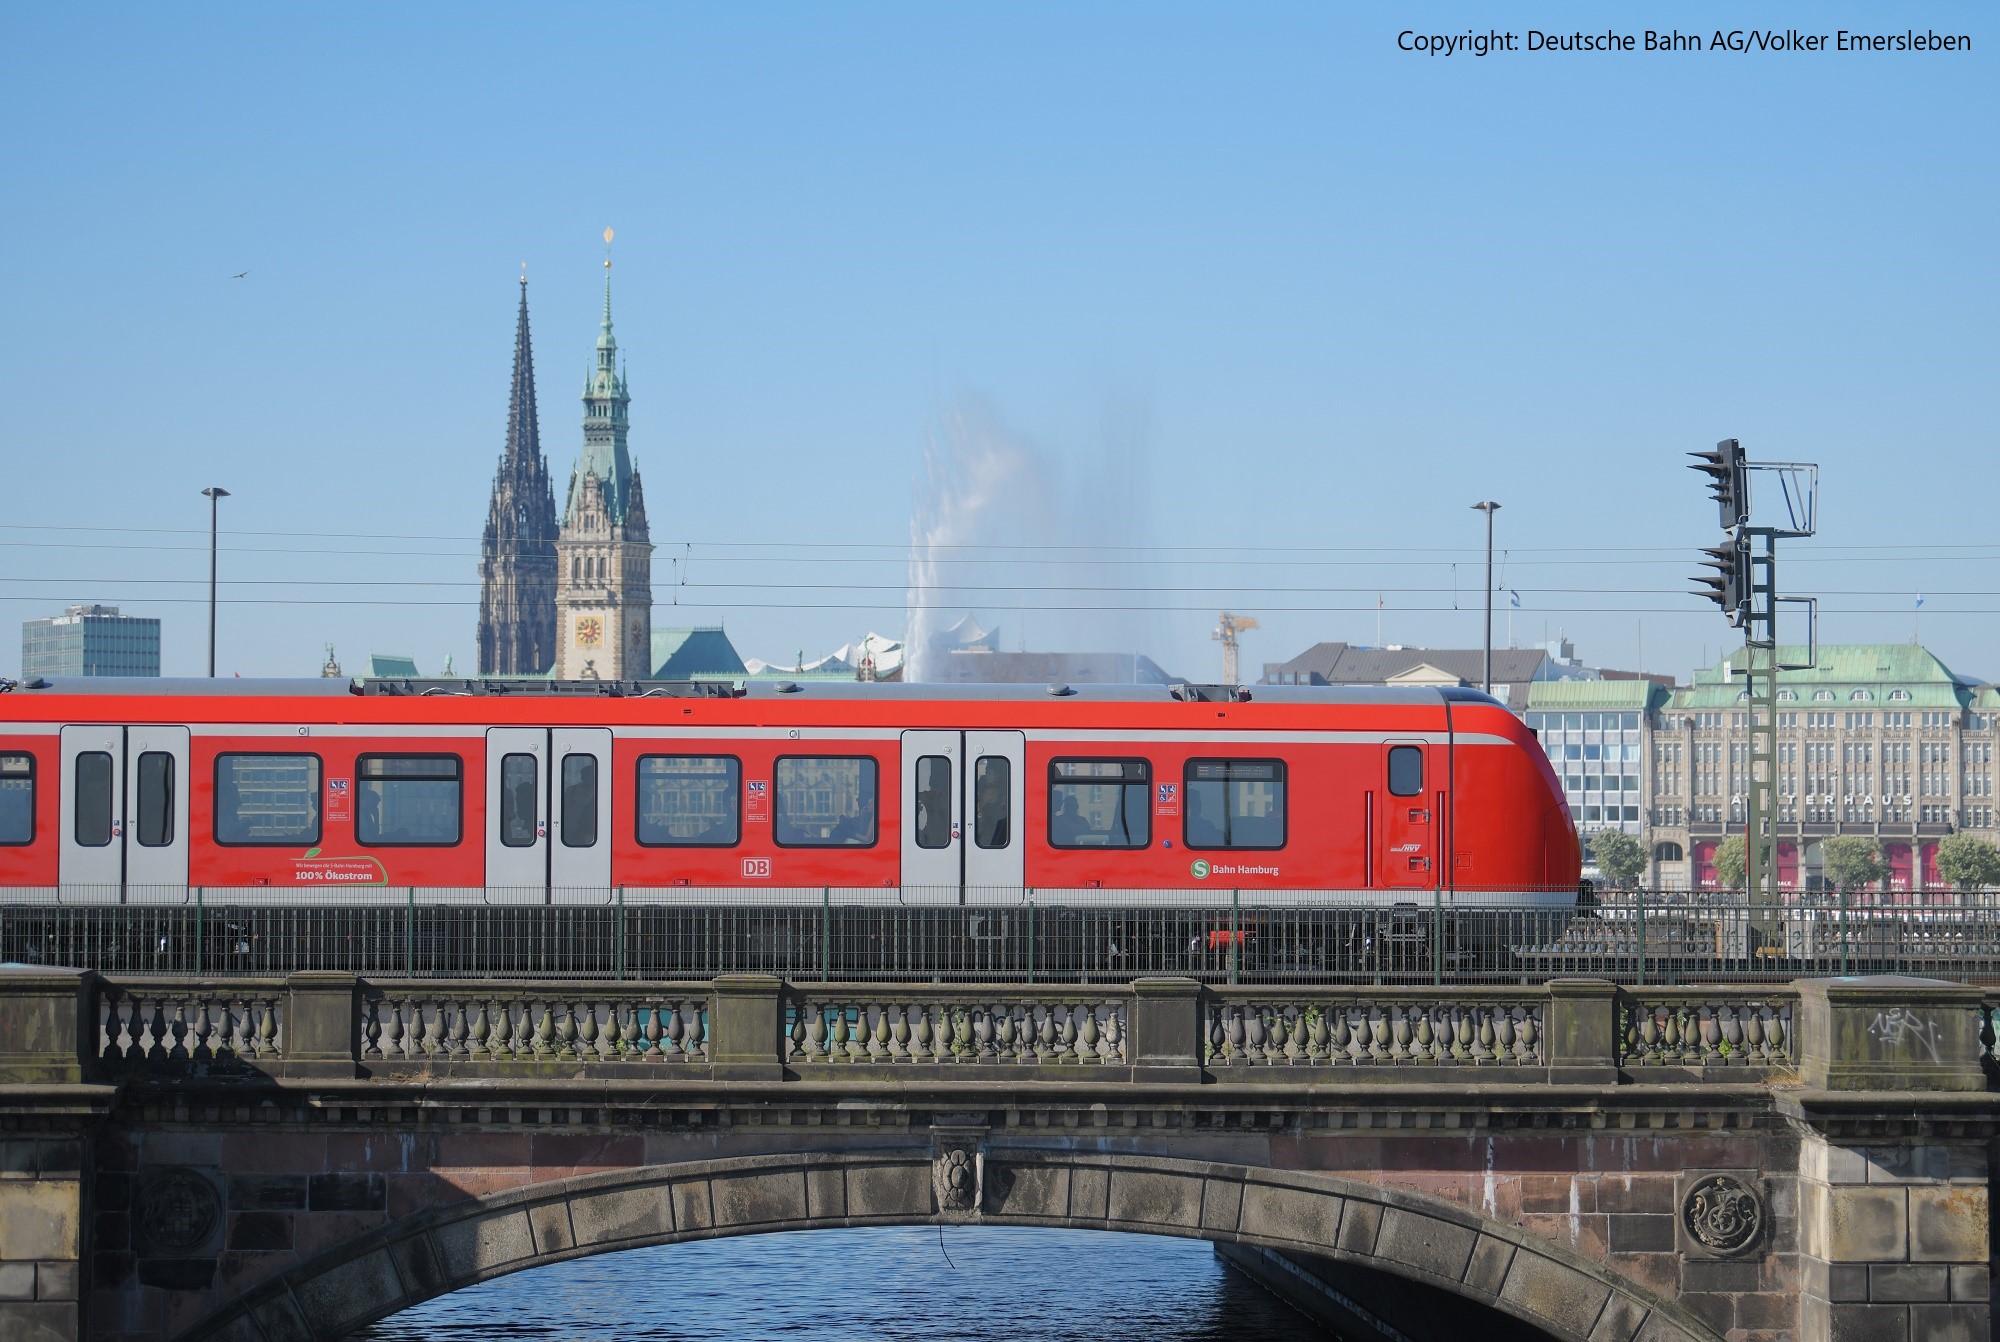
(1000, 936)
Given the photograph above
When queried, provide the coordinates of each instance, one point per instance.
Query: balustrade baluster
(587, 1033)
(476, 1031)
(899, 1031)
(696, 1044)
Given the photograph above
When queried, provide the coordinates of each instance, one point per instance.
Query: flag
(1513, 597)
(1920, 601)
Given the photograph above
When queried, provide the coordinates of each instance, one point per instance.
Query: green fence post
(1639, 914)
(825, 930)
(410, 932)
(197, 929)
(1843, 931)
(1437, 937)
(1235, 934)
(1031, 938)
(618, 939)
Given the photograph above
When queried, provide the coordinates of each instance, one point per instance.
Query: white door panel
(580, 815)
(996, 800)
(517, 810)
(93, 815)
(156, 814)
(932, 808)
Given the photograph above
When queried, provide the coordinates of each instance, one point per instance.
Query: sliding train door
(548, 807)
(962, 794)
(124, 814)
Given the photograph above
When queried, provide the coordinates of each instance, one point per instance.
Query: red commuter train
(139, 791)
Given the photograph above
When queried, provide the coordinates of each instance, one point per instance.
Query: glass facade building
(1598, 757)
(90, 641)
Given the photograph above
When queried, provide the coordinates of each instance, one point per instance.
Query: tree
(1619, 856)
(1851, 861)
(1732, 858)
(1968, 861)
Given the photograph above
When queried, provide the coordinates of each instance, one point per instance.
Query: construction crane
(1226, 629)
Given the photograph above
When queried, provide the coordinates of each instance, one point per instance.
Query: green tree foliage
(1731, 859)
(1968, 861)
(1620, 857)
(1851, 861)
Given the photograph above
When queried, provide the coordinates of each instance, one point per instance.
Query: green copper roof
(1840, 669)
(389, 666)
(1629, 695)
(605, 423)
(695, 654)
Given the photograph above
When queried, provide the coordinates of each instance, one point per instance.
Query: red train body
(131, 792)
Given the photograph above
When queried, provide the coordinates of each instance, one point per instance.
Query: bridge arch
(395, 1267)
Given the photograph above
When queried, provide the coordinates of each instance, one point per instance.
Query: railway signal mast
(1743, 580)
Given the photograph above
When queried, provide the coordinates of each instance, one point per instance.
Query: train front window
(1100, 803)
(579, 801)
(93, 799)
(1406, 771)
(689, 800)
(933, 789)
(825, 802)
(519, 815)
(156, 799)
(1234, 804)
(408, 801)
(267, 800)
(17, 800)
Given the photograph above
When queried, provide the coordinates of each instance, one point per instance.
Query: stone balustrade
(751, 1027)
(1055, 1026)
(426, 1022)
(174, 1022)
(1309, 1028)
(1706, 1027)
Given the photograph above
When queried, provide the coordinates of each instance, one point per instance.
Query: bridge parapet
(1806, 1161)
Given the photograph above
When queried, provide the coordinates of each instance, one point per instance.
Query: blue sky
(1244, 293)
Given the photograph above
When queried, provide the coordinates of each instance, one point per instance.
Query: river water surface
(885, 1283)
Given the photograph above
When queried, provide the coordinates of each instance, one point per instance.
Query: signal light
(1728, 480)
(1728, 586)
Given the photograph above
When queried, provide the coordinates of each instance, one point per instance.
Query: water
(882, 1284)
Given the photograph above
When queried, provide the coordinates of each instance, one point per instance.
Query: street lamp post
(214, 494)
(1489, 507)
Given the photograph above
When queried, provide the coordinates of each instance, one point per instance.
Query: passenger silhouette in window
(1199, 831)
(1066, 826)
(990, 809)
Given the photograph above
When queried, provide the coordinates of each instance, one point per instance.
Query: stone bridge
(269, 1160)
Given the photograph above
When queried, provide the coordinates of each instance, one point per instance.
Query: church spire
(524, 431)
(517, 608)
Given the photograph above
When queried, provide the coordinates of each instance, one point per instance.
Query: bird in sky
(239, 274)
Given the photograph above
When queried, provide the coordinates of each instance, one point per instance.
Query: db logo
(757, 868)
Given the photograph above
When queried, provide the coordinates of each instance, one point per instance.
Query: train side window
(992, 801)
(825, 802)
(93, 799)
(519, 818)
(933, 801)
(1100, 803)
(1406, 771)
(156, 799)
(408, 801)
(1234, 804)
(579, 801)
(17, 800)
(266, 800)
(689, 801)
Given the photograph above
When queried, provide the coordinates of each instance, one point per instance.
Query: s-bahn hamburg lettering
(137, 791)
